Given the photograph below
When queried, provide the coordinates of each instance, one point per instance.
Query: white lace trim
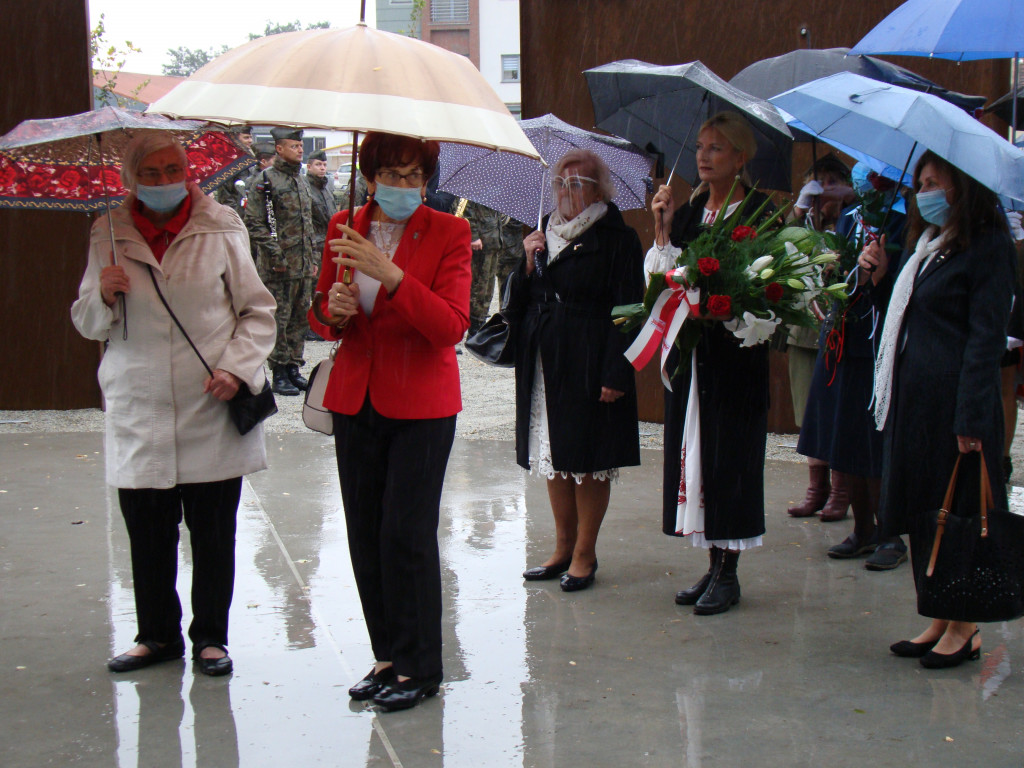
(698, 540)
(540, 443)
(386, 236)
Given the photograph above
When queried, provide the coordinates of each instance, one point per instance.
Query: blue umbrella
(895, 125)
(520, 186)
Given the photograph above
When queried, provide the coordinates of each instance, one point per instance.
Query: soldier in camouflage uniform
(323, 208)
(232, 192)
(497, 242)
(279, 217)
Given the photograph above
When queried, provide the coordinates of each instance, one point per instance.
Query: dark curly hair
(388, 150)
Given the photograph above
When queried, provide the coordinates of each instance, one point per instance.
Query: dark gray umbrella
(770, 77)
(661, 108)
(1003, 109)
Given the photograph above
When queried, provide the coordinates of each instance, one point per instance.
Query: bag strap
(177, 322)
(940, 526)
(987, 498)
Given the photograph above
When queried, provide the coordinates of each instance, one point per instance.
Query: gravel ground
(488, 413)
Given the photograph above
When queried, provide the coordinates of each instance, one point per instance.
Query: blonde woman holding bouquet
(714, 478)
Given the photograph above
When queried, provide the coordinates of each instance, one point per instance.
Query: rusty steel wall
(561, 38)
(44, 55)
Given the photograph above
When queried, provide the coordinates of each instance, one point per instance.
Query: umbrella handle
(318, 311)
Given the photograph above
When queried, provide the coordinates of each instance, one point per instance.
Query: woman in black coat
(937, 377)
(732, 383)
(576, 421)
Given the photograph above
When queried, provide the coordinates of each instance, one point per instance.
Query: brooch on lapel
(577, 247)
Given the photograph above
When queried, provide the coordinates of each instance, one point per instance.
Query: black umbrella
(661, 108)
(1003, 109)
(770, 77)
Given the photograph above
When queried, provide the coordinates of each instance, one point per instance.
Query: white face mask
(162, 198)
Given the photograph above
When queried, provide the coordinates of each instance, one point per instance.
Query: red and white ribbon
(673, 306)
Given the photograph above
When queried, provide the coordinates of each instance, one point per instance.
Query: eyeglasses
(150, 176)
(573, 183)
(391, 178)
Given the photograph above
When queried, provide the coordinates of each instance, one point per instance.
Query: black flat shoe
(214, 667)
(157, 654)
(852, 546)
(908, 649)
(933, 660)
(372, 684)
(543, 572)
(576, 583)
(407, 693)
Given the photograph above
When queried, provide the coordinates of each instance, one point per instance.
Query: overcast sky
(155, 28)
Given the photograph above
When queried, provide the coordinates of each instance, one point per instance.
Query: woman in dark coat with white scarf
(937, 378)
(576, 421)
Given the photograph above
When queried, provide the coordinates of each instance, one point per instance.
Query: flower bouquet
(742, 270)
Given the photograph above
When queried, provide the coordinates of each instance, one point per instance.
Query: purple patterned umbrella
(520, 186)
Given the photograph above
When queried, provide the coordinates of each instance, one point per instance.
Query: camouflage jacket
(232, 192)
(499, 232)
(323, 208)
(284, 248)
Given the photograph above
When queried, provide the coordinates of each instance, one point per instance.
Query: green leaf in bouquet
(629, 317)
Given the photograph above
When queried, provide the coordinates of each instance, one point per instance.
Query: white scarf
(927, 246)
(561, 232)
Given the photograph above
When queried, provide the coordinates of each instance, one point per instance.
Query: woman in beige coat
(171, 448)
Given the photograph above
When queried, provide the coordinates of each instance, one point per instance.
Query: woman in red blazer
(394, 391)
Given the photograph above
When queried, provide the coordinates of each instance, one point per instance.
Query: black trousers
(392, 472)
(152, 516)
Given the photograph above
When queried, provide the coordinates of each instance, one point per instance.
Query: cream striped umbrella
(353, 79)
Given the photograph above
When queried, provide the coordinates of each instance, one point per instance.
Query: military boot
(282, 383)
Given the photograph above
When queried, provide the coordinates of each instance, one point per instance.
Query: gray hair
(595, 166)
(142, 145)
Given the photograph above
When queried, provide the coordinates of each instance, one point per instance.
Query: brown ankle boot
(838, 503)
(817, 492)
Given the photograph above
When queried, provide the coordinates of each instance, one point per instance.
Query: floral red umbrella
(73, 163)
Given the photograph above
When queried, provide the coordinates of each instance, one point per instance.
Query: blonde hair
(738, 133)
(594, 165)
(142, 145)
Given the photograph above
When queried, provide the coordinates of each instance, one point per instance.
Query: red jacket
(404, 353)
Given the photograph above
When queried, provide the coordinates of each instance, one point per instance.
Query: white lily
(752, 330)
(761, 263)
(767, 273)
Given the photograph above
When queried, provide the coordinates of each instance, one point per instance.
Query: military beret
(263, 148)
(285, 134)
(318, 155)
(241, 129)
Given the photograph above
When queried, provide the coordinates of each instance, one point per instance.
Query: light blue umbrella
(895, 126)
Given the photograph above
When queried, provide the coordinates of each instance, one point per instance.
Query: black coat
(946, 380)
(733, 383)
(566, 314)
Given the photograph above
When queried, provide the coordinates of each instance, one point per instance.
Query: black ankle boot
(282, 383)
(296, 378)
(692, 595)
(723, 591)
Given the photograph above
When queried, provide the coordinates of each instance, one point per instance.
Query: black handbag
(245, 409)
(975, 566)
(494, 342)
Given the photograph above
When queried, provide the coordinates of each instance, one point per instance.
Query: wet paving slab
(798, 674)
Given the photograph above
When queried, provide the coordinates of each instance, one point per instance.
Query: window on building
(510, 68)
(516, 110)
(449, 11)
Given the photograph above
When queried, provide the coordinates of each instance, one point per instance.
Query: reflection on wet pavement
(798, 674)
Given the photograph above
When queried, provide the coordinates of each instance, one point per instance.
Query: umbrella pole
(896, 190)
(543, 186)
(346, 273)
(1013, 122)
(113, 243)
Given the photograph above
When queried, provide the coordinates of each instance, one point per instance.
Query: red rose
(744, 233)
(37, 183)
(773, 292)
(69, 178)
(720, 306)
(8, 175)
(707, 266)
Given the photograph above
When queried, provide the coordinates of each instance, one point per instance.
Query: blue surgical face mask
(398, 203)
(933, 207)
(162, 198)
(859, 177)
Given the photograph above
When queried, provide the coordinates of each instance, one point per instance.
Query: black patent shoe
(908, 649)
(157, 653)
(544, 572)
(213, 667)
(570, 583)
(407, 693)
(852, 546)
(967, 652)
(372, 684)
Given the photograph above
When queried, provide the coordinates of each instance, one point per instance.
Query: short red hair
(387, 150)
